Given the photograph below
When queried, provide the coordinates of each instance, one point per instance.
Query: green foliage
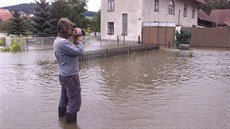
(16, 45)
(96, 22)
(183, 37)
(1, 26)
(42, 20)
(15, 24)
(190, 54)
(5, 49)
(72, 9)
(216, 4)
(78, 8)
(3, 41)
(19, 25)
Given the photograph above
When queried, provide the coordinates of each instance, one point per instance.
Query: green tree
(59, 9)
(96, 22)
(16, 25)
(72, 9)
(2, 26)
(28, 27)
(42, 20)
(78, 8)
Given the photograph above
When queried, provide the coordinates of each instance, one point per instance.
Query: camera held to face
(78, 31)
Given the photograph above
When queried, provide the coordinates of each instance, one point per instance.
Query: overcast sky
(93, 5)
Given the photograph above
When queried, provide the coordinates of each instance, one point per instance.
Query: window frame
(124, 24)
(185, 10)
(111, 5)
(110, 30)
(156, 5)
(171, 7)
(193, 12)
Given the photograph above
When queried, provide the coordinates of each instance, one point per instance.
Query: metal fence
(40, 43)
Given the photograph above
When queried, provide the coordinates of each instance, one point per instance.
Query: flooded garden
(158, 89)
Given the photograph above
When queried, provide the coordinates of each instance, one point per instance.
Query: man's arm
(74, 49)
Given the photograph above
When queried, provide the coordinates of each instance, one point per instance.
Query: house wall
(132, 8)
(140, 11)
(149, 15)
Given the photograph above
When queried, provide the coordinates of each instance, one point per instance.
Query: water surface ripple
(160, 89)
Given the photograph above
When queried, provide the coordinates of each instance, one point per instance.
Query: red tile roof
(222, 16)
(219, 16)
(205, 17)
(201, 1)
(5, 15)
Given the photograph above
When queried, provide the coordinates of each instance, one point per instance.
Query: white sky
(93, 5)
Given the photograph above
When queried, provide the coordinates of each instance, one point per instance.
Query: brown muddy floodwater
(159, 89)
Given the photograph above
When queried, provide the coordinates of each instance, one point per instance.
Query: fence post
(117, 39)
(139, 39)
(124, 40)
(41, 39)
(106, 52)
(26, 44)
(100, 40)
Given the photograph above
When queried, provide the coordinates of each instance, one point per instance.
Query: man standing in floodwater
(67, 54)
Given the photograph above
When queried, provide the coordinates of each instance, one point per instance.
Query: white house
(127, 17)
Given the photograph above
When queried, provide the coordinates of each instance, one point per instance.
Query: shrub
(183, 37)
(4, 49)
(16, 45)
(3, 41)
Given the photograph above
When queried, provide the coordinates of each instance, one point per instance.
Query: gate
(158, 33)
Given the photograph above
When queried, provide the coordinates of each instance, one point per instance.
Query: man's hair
(63, 26)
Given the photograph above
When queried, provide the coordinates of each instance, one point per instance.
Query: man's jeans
(70, 93)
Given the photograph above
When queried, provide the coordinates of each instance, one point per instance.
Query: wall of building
(141, 11)
(149, 15)
(132, 8)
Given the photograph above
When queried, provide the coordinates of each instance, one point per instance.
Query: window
(171, 7)
(156, 5)
(124, 24)
(110, 5)
(110, 28)
(185, 10)
(193, 12)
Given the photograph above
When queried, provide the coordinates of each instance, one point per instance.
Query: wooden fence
(210, 37)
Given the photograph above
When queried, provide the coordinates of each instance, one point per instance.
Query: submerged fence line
(108, 52)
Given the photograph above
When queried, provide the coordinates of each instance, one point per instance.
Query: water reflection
(156, 89)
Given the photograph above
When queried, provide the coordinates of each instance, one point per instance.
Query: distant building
(218, 17)
(127, 17)
(205, 20)
(222, 17)
(22, 14)
(5, 15)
